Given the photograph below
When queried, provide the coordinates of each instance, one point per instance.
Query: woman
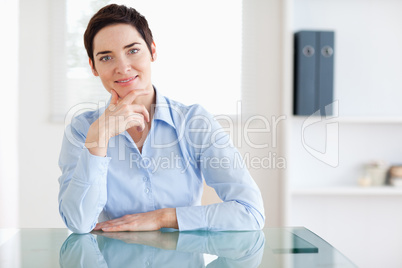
(138, 164)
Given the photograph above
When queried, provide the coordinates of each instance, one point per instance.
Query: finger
(133, 95)
(135, 109)
(118, 228)
(114, 228)
(116, 221)
(138, 118)
(136, 121)
(115, 97)
(105, 226)
(141, 109)
(100, 225)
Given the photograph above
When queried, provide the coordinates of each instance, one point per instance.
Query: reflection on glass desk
(272, 247)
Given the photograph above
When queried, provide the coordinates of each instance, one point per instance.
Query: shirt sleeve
(223, 169)
(83, 193)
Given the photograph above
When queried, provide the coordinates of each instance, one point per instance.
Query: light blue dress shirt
(184, 146)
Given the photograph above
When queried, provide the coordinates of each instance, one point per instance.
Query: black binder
(313, 72)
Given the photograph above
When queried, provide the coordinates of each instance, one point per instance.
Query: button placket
(148, 188)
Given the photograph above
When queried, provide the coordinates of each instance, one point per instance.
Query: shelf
(349, 191)
(370, 120)
(361, 119)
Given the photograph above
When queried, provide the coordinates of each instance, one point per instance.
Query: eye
(105, 58)
(133, 51)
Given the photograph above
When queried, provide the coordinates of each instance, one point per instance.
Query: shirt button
(147, 263)
(145, 179)
(147, 190)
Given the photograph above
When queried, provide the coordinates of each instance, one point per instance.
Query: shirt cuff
(91, 167)
(191, 218)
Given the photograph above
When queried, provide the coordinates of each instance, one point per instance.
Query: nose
(123, 65)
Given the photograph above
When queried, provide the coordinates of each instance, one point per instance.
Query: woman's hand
(148, 221)
(119, 116)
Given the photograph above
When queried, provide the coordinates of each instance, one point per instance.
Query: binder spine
(305, 74)
(326, 71)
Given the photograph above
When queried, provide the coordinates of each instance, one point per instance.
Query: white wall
(39, 140)
(261, 96)
(9, 115)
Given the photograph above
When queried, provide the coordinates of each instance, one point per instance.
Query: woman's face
(122, 59)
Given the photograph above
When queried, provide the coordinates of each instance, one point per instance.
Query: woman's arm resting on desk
(82, 193)
(223, 169)
(148, 221)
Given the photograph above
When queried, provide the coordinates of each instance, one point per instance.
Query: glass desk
(272, 247)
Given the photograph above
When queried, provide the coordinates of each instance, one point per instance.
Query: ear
(154, 54)
(93, 68)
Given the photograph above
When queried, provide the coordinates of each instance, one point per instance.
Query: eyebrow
(108, 51)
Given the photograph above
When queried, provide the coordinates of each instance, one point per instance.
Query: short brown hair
(115, 14)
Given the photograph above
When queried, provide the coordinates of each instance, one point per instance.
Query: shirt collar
(162, 109)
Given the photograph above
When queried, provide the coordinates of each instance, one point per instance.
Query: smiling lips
(125, 81)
